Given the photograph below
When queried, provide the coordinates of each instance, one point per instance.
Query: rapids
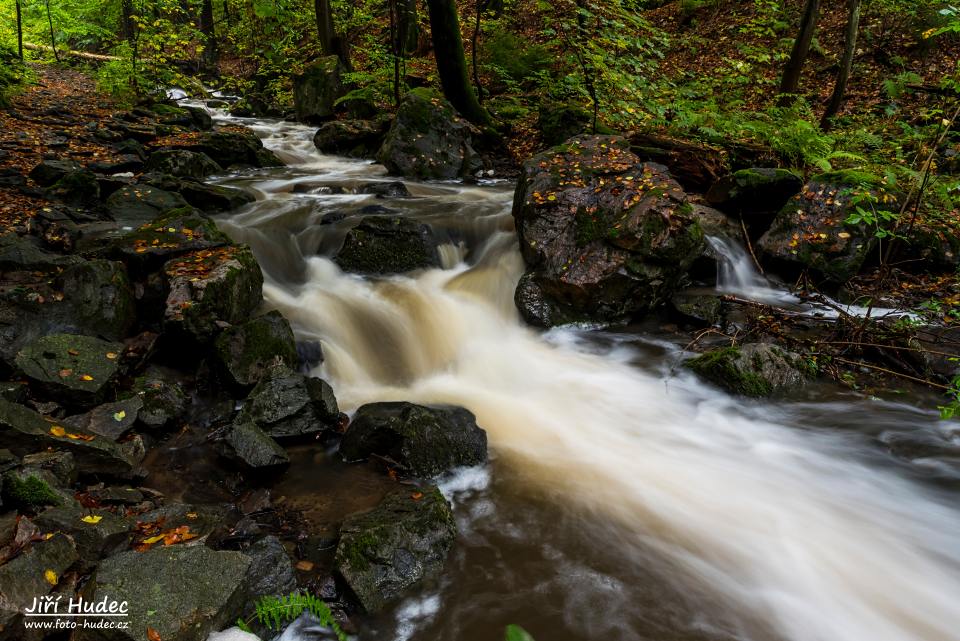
(624, 499)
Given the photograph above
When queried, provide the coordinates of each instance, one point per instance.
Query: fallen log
(96, 57)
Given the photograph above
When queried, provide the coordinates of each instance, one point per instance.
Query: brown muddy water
(624, 500)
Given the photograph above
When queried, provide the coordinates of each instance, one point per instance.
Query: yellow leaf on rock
(86, 377)
(56, 430)
(92, 519)
(51, 577)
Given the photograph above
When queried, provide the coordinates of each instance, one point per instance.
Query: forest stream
(624, 499)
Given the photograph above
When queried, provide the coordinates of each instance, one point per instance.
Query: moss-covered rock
(755, 369)
(97, 533)
(24, 431)
(98, 297)
(427, 441)
(352, 138)
(811, 231)
(110, 420)
(699, 308)
(183, 163)
(560, 121)
(243, 354)
(208, 288)
(402, 541)
(162, 401)
(26, 577)
(604, 236)
(388, 245)
(215, 198)
(182, 592)
(248, 445)
(286, 404)
(29, 489)
(316, 90)
(48, 172)
(756, 194)
(429, 140)
(76, 188)
(228, 146)
(177, 232)
(138, 204)
(72, 368)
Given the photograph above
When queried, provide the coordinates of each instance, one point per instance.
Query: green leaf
(516, 633)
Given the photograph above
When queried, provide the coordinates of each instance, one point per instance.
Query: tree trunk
(395, 45)
(331, 44)
(801, 48)
(451, 61)
(19, 30)
(127, 27)
(208, 61)
(846, 64)
(408, 31)
(53, 39)
(475, 52)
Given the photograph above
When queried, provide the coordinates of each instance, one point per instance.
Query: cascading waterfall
(798, 532)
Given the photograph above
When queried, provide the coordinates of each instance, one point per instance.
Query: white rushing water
(792, 529)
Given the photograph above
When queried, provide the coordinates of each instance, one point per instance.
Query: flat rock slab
(71, 367)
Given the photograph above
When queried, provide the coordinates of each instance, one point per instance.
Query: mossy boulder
(72, 368)
(316, 90)
(426, 441)
(24, 431)
(756, 194)
(179, 231)
(286, 404)
(352, 138)
(399, 543)
(30, 489)
(244, 353)
(698, 308)
(215, 198)
(162, 402)
(209, 288)
(182, 592)
(560, 121)
(76, 188)
(228, 146)
(183, 163)
(48, 172)
(754, 369)
(137, 204)
(388, 245)
(248, 445)
(811, 232)
(110, 420)
(429, 140)
(605, 237)
(98, 297)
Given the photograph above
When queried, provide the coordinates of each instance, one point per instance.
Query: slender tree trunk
(19, 30)
(475, 51)
(331, 44)
(127, 28)
(451, 61)
(395, 45)
(53, 39)
(846, 64)
(408, 32)
(209, 59)
(800, 51)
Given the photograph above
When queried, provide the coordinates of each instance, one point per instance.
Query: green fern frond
(275, 612)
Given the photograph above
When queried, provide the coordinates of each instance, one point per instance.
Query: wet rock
(25, 578)
(385, 190)
(316, 90)
(427, 441)
(388, 245)
(178, 232)
(604, 236)
(244, 353)
(352, 138)
(163, 402)
(310, 354)
(429, 140)
(117, 495)
(232, 146)
(754, 369)
(138, 204)
(810, 231)
(211, 287)
(98, 298)
(182, 592)
(23, 253)
(402, 541)
(215, 198)
(59, 463)
(559, 122)
(96, 533)
(247, 444)
(14, 391)
(698, 307)
(289, 405)
(183, 163)
(49, 172)
(124, 163)
(205, 521)
(270, 571)
(24, 431)
(757, 194)
(71, 367)
(110, 420)
(76, 188)
(31, 489)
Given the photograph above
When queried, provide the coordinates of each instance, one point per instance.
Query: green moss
(29, 491)
(721, 366)
(849, 178)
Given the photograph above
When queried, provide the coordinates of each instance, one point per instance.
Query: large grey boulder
(316, 90)
(244, 353)
(427, 441)
(402, 541)
(287, 404)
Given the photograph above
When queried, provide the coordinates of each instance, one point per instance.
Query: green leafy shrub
(13, 74)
